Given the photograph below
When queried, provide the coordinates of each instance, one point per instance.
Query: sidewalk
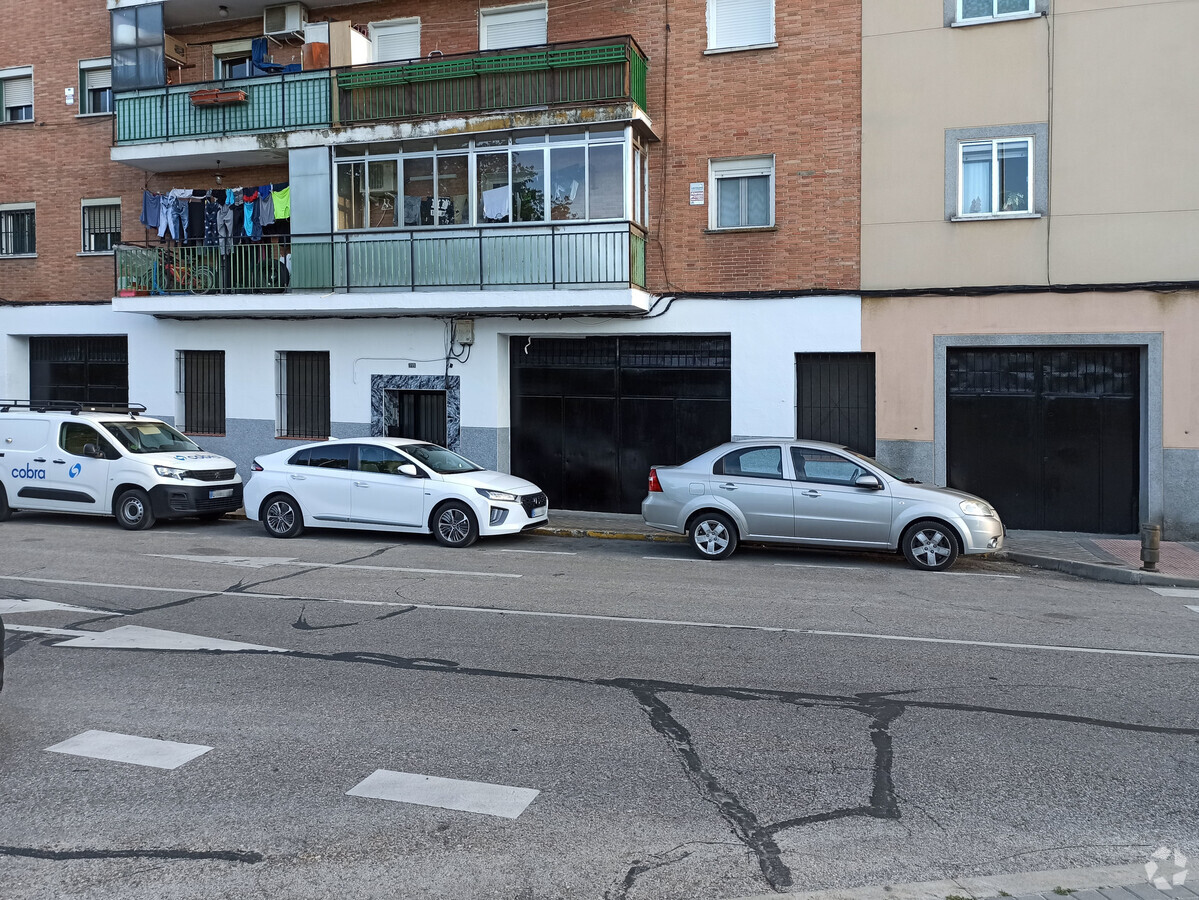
(1099, 557)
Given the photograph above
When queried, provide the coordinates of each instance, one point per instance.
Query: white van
(108, 460)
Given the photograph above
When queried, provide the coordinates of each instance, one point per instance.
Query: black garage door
(87, 369)
(1050, 436)
(590, 416)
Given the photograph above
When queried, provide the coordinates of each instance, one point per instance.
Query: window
(138, 57)
(496, 179)
(742, 193)
(95, 85)
(740, 24)
(373, 458)
(75, 436)
(17, 236)
(398, 39)
(200, 391)
(997, 172)
(752, 462)
(101, 225)
(232, 59)
(970, 11)
(513, 26)
(825, 468)
(16, 94)
(303, 394)
(420, 415)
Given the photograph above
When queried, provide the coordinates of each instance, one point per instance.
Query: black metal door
(1050, 436)
(590, 416)
(835, 399)
(86, 369)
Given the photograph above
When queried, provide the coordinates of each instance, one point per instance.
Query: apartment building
(570, 240)
(1029, 216)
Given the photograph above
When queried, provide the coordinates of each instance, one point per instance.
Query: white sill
(712, 51)
(741, 230)
(996, 217)
(93, 115)
(18, 256)
(992, 21)
(96, 253)
(18, 122)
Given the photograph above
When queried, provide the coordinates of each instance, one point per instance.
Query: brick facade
(799, 101)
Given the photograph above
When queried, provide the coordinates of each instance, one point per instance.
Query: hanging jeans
(173, 216)
(224, 229)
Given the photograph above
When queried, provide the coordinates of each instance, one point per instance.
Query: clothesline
(206, 216)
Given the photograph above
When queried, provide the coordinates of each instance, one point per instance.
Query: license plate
(221, 494)
(539, 511)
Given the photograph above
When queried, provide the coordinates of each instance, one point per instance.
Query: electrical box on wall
(464, 332)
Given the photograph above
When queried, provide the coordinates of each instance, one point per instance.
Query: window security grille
(202, 391)
(17, 234)
(303, 395)
(101, 227)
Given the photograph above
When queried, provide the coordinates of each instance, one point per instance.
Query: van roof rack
(74, 407)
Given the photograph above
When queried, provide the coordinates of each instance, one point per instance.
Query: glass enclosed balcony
(611, 70)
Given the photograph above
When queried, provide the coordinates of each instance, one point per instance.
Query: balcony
(607, 71)
(532, 269)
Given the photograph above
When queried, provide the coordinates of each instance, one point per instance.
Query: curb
(550, 531)
(1097, 571)
(1020, 884)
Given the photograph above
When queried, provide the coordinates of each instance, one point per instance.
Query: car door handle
(297, 477)
(61, 462)
(40, 459)
(361, 484)
(810, 493)
(727, 487)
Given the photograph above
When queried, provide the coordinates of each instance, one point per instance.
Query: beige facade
(1104, 255)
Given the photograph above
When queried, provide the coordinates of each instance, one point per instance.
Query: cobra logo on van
(30, 474)
(183, 458)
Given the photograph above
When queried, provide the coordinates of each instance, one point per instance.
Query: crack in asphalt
(241, 856)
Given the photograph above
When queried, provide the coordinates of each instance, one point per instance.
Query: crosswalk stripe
(445, 793)
(128, 748)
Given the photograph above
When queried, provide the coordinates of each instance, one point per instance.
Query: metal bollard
(1151, 547)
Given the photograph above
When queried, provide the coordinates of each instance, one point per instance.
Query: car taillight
(254, 467)
(655, 486)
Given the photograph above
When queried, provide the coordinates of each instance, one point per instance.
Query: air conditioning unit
(286, 18)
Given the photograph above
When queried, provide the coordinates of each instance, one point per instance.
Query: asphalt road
(612, 719)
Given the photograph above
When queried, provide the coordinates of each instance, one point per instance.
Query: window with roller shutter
(525, 25)
(16, 94)
(740, 24)
(396, 39)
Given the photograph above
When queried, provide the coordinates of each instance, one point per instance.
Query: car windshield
(899, 476)
(439, 459)
(149, 437)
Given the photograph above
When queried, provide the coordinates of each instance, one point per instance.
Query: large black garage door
(590, 416)
(1050, 436)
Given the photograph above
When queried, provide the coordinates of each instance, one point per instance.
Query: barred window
(101, 225)
(200, 391)
(17, 235)
(302, 407)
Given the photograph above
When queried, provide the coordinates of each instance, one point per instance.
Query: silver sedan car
(813, 494)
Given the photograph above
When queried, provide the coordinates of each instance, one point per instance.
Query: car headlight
(168, 472)
(974, 508)
(497, 495)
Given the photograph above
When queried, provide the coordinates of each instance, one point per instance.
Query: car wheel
(713, 535)
(454, 525)
(930, 546)
(133, 511)
(281, 516)
(5, 509)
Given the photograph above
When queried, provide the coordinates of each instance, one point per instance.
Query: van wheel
(133, 511)
(5, 509)
(930, 546)
(281, 516)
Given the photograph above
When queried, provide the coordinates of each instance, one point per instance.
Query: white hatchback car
(389, 484)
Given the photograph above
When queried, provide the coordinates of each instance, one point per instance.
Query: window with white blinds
(16, 94)
(740, 23)
(513, 26)
(397, 39)
(95, 79)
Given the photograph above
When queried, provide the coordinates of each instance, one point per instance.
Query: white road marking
(127, 748)
(38, 629)
(12, 607)
(258, 562)
(445, 793)
(817, 566)
(1177, 592)
(1193, 608)
(979, 575)
(682, 559)
(137, 637)
(543, 552)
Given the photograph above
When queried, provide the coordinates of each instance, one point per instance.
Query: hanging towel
(151, 206)
(496, 203)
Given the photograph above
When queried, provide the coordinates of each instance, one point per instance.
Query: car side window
(823, 467)
(335, 456)
(372, 458)
(752, 462)
(74, 436)
(300, 458)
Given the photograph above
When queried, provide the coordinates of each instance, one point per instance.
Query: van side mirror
(870, 482)
(409, 469)
(93, 451)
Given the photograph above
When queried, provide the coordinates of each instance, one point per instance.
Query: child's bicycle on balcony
(166, 270)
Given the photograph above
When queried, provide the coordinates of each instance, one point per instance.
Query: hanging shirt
(151, 205)
(266, 206)
(281, 198)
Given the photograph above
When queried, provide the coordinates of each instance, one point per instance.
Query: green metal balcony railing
(554, 256)
(603, 71)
